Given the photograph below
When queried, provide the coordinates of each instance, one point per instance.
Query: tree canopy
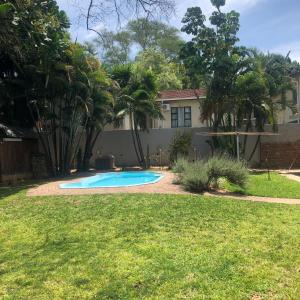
(60, 87)
(138, 35)
(119, 11)
(137, 99)
(51, 83)
(242, 84)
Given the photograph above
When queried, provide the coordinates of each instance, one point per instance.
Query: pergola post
(238, 134)
(238, 146)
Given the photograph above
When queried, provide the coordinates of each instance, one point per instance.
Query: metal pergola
(238, 134)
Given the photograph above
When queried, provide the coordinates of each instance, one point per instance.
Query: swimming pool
(115, 179)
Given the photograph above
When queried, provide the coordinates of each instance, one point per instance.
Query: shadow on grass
(258, 172)
(12, 189)
(7, 190)
(295, 173)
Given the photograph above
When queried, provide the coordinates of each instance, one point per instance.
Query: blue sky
(269, 25)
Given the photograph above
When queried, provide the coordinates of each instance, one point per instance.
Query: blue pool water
(115, 179)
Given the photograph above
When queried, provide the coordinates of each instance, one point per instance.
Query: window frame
(187, 112)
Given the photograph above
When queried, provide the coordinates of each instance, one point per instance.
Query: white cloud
(284, 49)
(91, 34)
(242, 5)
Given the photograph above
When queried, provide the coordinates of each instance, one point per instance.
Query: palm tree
(66, 93)
(100, 112)
(137, 99)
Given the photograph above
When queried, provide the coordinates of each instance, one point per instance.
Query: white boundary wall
(119, 144)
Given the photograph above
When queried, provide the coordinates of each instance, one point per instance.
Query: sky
(269, 25)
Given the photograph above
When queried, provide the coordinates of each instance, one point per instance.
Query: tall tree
(170, 74)
(137, 99)
(241, 86)
(147, 34)
(100, 108)
(141, 34)
(30, 34)
(120, 11)
(57, 85)
(213, 54)
(114, 47)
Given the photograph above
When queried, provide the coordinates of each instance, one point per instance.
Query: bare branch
(111, 12)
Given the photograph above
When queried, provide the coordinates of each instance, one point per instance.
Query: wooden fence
(15, 159)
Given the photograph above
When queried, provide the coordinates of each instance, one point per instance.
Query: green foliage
(144, 34)
(242, 84)
(213, 55)
(156, 35)
(180, 165)
(222, 166)
(180, 145)
(195, 178)
(43, 26)
(218, 3)
(136, 98)
(115, 47)
(203, 175)
(169, 74)
(50, 83)
(5, 8)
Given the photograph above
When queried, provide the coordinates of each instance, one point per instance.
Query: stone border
(253, 198)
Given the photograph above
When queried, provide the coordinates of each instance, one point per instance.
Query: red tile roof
(182, 94)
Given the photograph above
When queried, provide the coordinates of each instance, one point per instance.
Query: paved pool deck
(164, 186)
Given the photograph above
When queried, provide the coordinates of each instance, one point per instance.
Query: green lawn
(147, 247)
(259, 185)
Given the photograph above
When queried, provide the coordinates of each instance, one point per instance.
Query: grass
(147, 247)
(259, 185)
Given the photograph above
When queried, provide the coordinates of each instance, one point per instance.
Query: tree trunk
(88, 147)
(140, 146)
(254, 149)
(132, 129)
(246, 130)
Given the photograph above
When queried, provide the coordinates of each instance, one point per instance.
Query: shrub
(180, 165)
(195, 178)
(179, 168)
(202, 175)
(180, 145)
(222, 166)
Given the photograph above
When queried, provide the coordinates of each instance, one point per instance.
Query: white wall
(119, 143)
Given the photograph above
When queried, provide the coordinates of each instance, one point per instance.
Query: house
(180, 109)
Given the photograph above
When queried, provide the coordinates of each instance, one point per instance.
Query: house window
(181, 117)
